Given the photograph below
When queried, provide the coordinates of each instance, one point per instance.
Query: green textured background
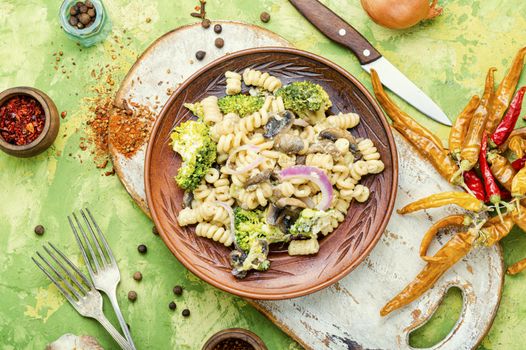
(448, 58)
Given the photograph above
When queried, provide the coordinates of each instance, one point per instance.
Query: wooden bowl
(235, 333)
(288, 276)
(51, 126)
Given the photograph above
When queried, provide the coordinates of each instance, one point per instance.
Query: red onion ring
(315, 175)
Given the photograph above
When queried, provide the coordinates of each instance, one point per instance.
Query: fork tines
(91, 241)
(63, 273)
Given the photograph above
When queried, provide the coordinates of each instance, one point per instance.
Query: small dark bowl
(51, 126)
(235, 333)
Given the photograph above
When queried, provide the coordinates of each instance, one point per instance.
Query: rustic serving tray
(345, 315)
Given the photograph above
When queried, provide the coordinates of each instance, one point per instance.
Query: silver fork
(102, 266)
(80, 293)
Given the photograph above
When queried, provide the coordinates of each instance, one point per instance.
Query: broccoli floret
(250, 226)
(241, 105)
(307, 99)
(252, 237)
(255, 259)
(311, 222)
(196, 109)
(198, 152)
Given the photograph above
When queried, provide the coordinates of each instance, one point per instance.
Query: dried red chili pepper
(22, 120)
(475, 185)
(505, 195)
(507, 124)
(492, 189)
(518, 164)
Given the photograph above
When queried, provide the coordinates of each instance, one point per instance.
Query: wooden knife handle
(337, 29)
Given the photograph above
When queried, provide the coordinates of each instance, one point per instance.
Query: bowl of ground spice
(29, 121)
(234, 339)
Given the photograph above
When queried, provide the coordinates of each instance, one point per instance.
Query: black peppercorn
(155, 231)
(218, 28)
(83, 8)
(73, 21)
(186, 312)
(39, 230)
(265, 17)
(142, 249)
(88, 3)
(178, 290)
(132, 296)
(73, 11)
(80, 25)
(205, 23)
(219, 42)
(84, 18)
(91, 12)
(172, 305)
(137, 276)
(200, 55)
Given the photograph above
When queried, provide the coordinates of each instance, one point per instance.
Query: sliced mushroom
(300, 160)
(291, 202)
(334, 134)
(282, 218)
(188, 197)
(278, 123)
(258, 178)
(326, 147)
(289, 144)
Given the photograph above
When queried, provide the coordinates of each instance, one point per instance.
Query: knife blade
(343, 33)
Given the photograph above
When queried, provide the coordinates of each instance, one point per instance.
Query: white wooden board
(345, 315)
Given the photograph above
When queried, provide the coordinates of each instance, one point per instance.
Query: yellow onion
(400, 14)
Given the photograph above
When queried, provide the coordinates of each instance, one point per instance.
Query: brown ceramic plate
(289, 276)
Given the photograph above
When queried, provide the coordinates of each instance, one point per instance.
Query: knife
(343, 33)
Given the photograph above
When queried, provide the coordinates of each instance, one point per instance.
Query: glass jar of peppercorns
(85, 21)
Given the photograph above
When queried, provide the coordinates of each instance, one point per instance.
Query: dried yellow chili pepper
(505, 92)
(517, 267)
(396, 114)
(460, 128)
(469, 154)
(519, 218)
(496, 229)
(447, 256)
(430, 151)
(453, 220)
(517, 132)
(517, 145)
(502, 170)
(518, 184)
(462, 199)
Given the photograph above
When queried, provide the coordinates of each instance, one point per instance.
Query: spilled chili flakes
(22, 120)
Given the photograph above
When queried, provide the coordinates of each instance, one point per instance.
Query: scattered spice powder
(130, 127)
(22, 120)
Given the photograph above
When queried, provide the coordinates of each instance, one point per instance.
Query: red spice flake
(63, 114)
(22, 120)
(103, 164)
(110, 173)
